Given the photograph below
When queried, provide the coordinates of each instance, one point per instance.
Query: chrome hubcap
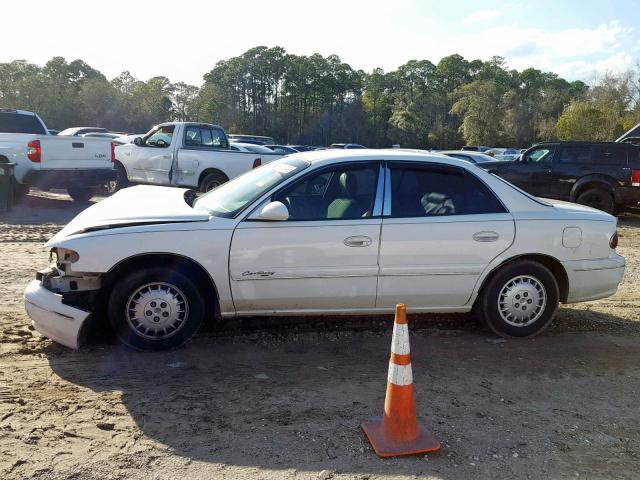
(522, 300)
(157, 310)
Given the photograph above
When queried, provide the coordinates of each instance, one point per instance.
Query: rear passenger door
(441, 227)
(578, 161)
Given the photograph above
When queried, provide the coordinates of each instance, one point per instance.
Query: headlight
(63, 255)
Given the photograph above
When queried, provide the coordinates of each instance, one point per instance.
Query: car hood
(141, 205)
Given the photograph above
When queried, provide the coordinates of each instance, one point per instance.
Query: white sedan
(324, 233)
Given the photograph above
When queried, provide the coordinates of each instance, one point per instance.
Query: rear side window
(610, 154)
(575, 154)
(19, 123)
(197, 136)
(426, 192)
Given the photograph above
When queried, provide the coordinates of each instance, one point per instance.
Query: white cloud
(481, 16)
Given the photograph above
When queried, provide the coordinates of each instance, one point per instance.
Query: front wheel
(155, 309)
(520, 300)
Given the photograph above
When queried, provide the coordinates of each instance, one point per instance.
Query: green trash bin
(6, 186)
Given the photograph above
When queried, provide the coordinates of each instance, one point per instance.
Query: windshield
(230, 198)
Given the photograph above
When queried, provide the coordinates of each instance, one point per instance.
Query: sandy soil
(283, 399)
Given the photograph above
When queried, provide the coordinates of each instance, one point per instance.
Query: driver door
(324, 257)
(153, 159)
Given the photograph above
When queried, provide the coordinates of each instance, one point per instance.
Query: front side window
(160, 137)
(426, 192)
(342, 193)
(539, 155)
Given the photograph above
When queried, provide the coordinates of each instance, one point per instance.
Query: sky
(183, 40)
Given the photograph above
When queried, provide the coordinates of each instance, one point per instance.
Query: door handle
(486, 236)
(357, 241)
(166, 156)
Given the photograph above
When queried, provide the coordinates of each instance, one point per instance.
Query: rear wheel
(520, 300)
(81, 194)
(20, 191)
(212, 180)
(155, 309)
(597, 198)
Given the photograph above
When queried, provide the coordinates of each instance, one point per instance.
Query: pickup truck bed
(49, 161)
(184, 154)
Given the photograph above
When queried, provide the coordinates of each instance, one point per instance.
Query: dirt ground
(283, 399)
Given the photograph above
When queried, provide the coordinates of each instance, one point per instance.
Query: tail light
(34, 152)
(257, 162)
(635, 178)
(113, 152)
(613, 243)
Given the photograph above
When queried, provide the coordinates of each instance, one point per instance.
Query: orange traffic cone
(398, 432)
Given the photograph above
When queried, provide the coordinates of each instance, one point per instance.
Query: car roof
(576, 142)
(332, 156)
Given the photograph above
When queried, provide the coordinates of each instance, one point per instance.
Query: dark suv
(603, 175)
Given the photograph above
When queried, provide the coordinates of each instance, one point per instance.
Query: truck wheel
(597, 198)
(520, 300)
(155, 309)
(212, 180)
(20, 191)
(81, 194)
(121, 180)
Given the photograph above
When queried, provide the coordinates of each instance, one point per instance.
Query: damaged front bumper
(52, 318)
(60, 304)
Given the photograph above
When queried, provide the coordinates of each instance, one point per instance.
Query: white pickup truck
(184, 154)
(78, 165)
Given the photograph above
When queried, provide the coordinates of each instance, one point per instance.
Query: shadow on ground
(556, 405)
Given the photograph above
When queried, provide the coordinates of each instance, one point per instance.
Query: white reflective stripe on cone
(400, 339)
(400, 374)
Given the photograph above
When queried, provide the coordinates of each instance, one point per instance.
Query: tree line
(320, 100)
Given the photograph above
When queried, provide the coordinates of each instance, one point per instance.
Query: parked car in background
(346, 145)
(283, 149)
(188, 154)
(256, 139)
(475, 148)
(122, 139)
(78, 131)
(324, 233)
(107, 135)
(46, 161)
(250, 147)
(602, 175)
(470, 156)
(507, 154)
(303, 148)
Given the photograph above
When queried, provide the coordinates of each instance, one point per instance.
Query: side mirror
(137, 141)
(273, 212)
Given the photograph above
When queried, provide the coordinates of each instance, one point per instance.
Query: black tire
(597, 198)
(212, 180)
(20, 191)
(487, 306)
(81, 194)
(121, 181)
(132, 333)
